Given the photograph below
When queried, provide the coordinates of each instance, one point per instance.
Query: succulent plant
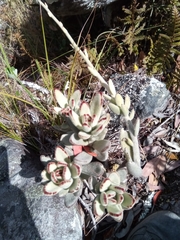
(129, 137)
(130, 147)
(112, 198)
(84, 154)
(61, 175)
(87, 120)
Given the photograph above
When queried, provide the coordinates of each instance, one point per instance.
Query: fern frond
(161, 56)
(135, 20)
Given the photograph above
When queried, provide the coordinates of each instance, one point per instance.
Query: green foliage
(134, 21)
(161, 58)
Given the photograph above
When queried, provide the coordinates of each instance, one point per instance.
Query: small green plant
(87, 120)
(161, 58)
(112, 198)
(134, 21)
(61, 174)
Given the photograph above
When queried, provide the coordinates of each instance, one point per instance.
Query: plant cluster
(83, 146)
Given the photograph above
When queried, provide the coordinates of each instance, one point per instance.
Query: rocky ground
(158, 189)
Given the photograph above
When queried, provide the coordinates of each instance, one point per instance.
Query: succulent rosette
(112, 198)
(87, 120)
(61, 175)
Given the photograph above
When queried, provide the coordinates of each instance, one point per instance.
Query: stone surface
(149, 96)
(25, 214)
(75, 7)
(88, 4)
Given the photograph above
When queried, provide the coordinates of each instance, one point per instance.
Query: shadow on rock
(15, 219)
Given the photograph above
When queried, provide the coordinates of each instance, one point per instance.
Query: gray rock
(149, 96)
(153, 99)
(75, 7)
(88, 4)
(25, 214)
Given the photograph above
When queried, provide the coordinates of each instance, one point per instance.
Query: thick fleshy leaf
(86, 127)
(123, 134)
(60, 98)
(114, 108)
(103, 199)
(82, 158)
(119, 100)
(70, 199)
(127, 101)
(61, 155)
(45, 175)
(104, 119)
(56, 176)
(86, 121)
(65, 111)
(118, 218)
(66, 174)
(115, 179)
(95, 169)
(124, 111)
(98, 209)
(117, 189)
(84, 135)
(75, 140)
(51, 166)
(110, 194)
(102, 145)
(128, 202)
(75, 119)
(99, 128)
(122, 172)
(116, 212)
(96, 108)
(105, 184)
(101, 136)
(112, 88)
(63, 192)
(76, 149)
(75, 186)
(101, 156)
(69, 150)
(75, 170)
(136, 127)
(119, 198)
(84, 109)
(134, 169)
(61, 164)
(131, 114)
(90, 151)
(51, 189)
(75, 99)
(112, 201)
(57, 110)
(45, 159)
(66, 183)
